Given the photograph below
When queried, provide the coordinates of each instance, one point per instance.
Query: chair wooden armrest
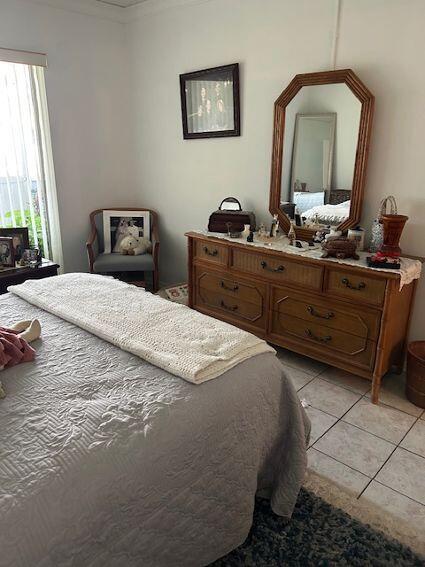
(89, 244)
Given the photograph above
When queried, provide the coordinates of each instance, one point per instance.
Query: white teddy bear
(134, 246)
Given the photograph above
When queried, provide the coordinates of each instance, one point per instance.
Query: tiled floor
(375, 451)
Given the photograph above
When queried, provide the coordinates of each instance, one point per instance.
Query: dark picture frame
(210, 102)
(20, 239)
(7, 255)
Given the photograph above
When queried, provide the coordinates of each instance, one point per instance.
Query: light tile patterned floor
(375, 451)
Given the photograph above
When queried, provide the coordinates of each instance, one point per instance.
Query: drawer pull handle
(348, 284)
(311, 335)
(228, 287)
(210, 252)
(266, 267)
(313, 312)
(229, 307)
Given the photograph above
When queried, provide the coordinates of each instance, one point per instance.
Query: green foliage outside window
(19, 221)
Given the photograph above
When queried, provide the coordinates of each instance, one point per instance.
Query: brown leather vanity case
(225, 220)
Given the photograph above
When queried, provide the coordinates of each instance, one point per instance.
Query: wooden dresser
(351, 317)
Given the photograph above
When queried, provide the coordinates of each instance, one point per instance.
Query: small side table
(19, 275)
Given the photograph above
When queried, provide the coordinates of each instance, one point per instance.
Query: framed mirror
(322, 127)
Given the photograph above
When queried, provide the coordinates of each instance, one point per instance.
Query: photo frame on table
(118, 224)
(20, 239)
(7, 255)
(210, 102)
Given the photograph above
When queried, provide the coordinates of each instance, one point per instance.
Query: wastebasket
(415, 383)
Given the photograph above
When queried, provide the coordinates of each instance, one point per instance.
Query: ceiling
(121, 3)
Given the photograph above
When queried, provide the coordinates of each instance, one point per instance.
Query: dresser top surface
(410, 268)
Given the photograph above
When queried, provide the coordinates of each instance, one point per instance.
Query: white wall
(185, 180)
(93, 116)
(381, 40)
(87, 89)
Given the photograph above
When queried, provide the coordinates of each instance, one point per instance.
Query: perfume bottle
(377, 236)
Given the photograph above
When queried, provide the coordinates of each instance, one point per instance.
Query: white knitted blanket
(172, 336)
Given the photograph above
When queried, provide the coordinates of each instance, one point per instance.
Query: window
(27, 183)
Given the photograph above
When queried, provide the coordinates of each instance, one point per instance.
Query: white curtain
(27, 179)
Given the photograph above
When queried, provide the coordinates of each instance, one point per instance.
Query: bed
(329, 214)
(108, 460)
(305, 200)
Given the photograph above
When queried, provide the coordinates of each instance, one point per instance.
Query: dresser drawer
(278, 268)
(210, 251)
(354, 350)
(236, 288)
(355, 286)
(232, 308)
(361, 322)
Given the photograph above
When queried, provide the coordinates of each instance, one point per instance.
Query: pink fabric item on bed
(13, 349)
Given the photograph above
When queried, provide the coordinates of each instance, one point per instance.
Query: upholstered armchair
(104, 263)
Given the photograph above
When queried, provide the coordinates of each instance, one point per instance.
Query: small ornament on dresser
(232, 233)
(274, 227)
(340, 248)
(358, 234)
(377, 231)
(386, 233)
(376, 236)
(291, 234)
(262, 230)
(246, 231)
(333, 233)
(381, 261)
(269, 236)
(320, 235)
(263, 234)
(393, 226)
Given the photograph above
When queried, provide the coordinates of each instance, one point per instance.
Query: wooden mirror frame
(349, 78)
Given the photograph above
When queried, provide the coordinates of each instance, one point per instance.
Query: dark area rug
(318, 535)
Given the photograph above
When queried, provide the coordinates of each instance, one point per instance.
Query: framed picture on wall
(118, 224)
(20, 239)
(210, 102)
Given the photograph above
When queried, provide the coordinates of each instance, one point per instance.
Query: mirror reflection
(319, 151)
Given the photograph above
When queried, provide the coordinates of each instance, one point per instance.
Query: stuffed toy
(14, 344)
(134, 246)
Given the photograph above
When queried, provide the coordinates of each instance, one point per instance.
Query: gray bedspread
(106, 460)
